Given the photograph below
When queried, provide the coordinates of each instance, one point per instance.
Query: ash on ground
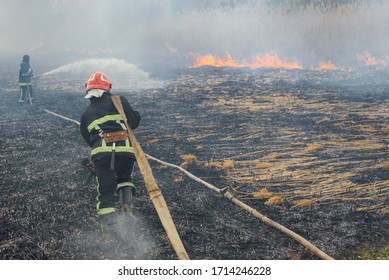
(316, 141)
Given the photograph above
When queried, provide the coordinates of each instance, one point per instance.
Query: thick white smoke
(170, 33)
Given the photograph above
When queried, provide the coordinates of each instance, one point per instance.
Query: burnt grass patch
(305, 136)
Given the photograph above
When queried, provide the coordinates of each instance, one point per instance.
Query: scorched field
(308, 149)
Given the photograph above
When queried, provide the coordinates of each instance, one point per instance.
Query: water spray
(110, 65)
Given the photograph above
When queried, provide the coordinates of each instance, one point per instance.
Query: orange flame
(272, 61)
(367, 58)
(267, 61)
(210, 60)
(370, 60)
(324, 66)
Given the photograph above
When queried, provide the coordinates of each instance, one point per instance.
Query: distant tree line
(58, 6)
(325, 3)
(206, 4)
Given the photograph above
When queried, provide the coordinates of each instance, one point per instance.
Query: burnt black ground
(47, 202)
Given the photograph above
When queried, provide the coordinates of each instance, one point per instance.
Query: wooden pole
(153, 189)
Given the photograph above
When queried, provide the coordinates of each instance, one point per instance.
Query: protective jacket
(25, 74)
(100, 117)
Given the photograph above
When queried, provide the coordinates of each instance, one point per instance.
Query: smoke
(310, 35)
(170, 33)
(128, 230)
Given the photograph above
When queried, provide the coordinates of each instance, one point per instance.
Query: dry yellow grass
(384, 210)
(303, 202)
(312, 147)
(228, 164)
(199, 147)
(367, 128)
(325, 119)
(274, 200)
(274, 155)
(291, 164)
(184, 164)
(365, 144)
(179, 179)
(189, 158)
(161, 166)
(262, 165)
(153, 140)
(220, 103)
(262, 194)
(380, 207)
(384, 165)
(211, 164)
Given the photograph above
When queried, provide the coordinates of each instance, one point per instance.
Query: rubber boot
(22, 96)
(108, 222)
(126, 195)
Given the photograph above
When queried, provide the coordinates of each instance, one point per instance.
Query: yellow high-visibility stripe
(98, 194)
(21, 96)
(105, 211)
(124, 184)
(102, 211)
(108, 149)
(107, 118)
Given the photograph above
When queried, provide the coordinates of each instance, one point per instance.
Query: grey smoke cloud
(172, 32)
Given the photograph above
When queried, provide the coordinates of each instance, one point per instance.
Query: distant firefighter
(104, 130)
(25, 75)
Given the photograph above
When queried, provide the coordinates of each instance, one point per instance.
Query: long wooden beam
(153, 189)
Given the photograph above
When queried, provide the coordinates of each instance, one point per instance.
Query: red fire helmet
(98, 80)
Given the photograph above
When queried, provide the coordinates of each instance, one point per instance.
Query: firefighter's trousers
(24, 92)
(109, 181)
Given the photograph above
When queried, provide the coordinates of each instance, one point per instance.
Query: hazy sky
(174, 32)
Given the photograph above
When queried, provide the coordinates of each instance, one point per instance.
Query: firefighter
(25, 75)
(113, 169)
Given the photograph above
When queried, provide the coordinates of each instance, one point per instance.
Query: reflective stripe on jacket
(25, 74)
(100, 117)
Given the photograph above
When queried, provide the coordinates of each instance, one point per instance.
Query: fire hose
(228, 194)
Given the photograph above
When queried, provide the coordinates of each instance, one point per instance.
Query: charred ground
(316, 140)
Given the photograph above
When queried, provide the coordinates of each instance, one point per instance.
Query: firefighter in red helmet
(113, 169)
